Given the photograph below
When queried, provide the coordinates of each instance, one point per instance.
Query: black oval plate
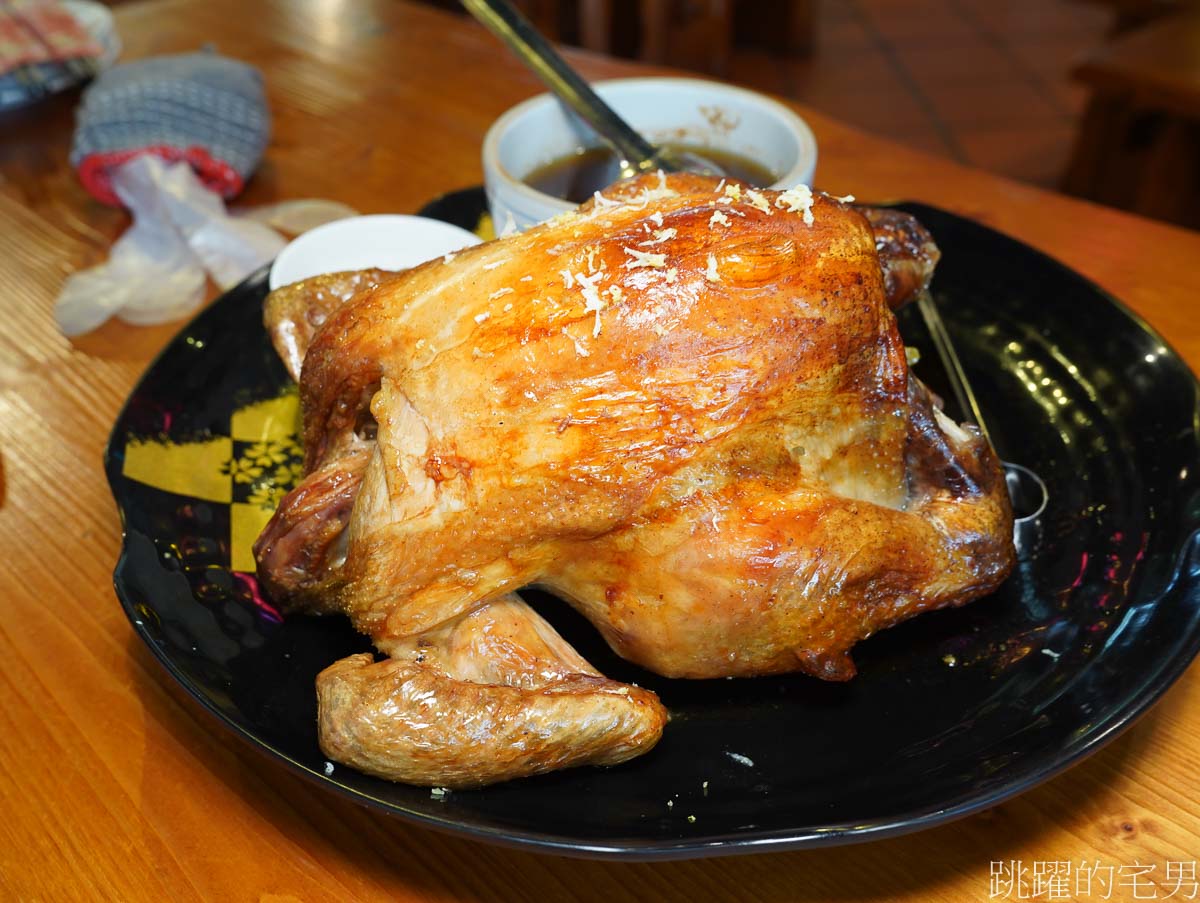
(1097, 621)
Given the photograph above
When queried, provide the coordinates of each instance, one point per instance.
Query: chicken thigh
(684, 408)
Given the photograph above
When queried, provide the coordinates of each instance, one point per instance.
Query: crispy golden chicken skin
(295, 312)
(685, 409)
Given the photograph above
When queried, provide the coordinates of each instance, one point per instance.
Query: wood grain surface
(114, 786)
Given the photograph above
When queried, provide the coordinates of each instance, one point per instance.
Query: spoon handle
(506, 22)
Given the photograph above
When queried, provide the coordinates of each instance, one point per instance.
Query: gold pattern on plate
(249, 470)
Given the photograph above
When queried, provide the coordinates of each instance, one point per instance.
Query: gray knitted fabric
(195, 100)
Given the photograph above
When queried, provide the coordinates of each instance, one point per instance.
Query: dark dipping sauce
(576, 177)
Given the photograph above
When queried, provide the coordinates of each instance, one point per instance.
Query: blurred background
(1098, 98)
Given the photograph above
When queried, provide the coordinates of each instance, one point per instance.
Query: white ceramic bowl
(386, 240)
(682, 110)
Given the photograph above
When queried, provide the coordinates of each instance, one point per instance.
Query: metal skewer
(1025, 488)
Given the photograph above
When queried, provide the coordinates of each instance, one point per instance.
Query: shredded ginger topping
(591, 297)
(797, 200)
(602, 202)
(644, 259)
(660, 235)
(759, 201)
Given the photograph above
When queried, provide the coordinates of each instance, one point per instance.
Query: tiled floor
(982, 81)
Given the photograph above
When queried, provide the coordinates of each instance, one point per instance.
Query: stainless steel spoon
(1025, 488)
(635, 153)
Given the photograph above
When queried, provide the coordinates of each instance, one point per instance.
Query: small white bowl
(386, 240)
(686, 111)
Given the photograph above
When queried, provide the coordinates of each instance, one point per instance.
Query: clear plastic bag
(156, 270)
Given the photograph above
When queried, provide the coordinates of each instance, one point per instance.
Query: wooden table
(114, 786)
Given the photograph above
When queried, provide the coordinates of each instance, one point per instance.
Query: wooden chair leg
(1101, 135)
(656, 24)
(595, 25)
(1170, 183)
(696, 35)
(802, 27)
(781, 26)
(721, 35)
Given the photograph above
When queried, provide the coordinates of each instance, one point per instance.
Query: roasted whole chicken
(685, 409)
